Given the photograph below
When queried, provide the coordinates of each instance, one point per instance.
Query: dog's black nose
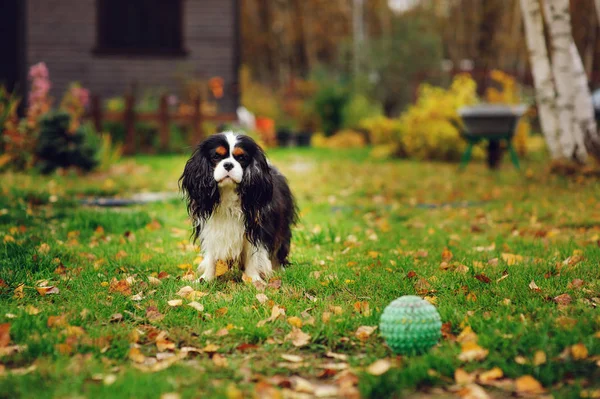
(228, 166)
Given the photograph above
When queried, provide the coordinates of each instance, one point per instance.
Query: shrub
(382, 130)
(328, 103)
(431, 127)
(343, 139)
(57, 147)
(359, 108)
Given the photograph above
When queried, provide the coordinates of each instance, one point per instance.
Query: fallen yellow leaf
(471, 351)
(528, 385)
(579, 351)
(295, 321)
(221, 268)
(491, 375)
(298, 337)
(539, 358)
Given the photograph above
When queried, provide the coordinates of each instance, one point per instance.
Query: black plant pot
(284, 138)
(303, 139)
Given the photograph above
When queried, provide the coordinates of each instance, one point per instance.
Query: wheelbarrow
(494, 123)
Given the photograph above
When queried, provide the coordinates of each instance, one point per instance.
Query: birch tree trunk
(584, 107)
(542, 74)
(558, 20)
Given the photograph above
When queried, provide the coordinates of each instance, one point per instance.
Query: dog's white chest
(223, 233)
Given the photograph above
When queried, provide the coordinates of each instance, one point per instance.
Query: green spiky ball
(410, 325)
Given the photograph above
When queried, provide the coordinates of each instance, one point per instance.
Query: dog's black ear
(256, 193)
(200, 188)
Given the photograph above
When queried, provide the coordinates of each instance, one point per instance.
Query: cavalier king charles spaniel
(241, 206)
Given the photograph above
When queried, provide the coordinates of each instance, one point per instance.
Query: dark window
(152, 27)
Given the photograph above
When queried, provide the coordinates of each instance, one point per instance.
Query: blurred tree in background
(289, 38)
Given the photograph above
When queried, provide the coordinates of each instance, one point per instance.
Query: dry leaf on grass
(298, 337)
(276, 312)
(175, 302)
(473, 391)
(364, 332)
(136, 355)
(528, 385)
(4, 334)
(579, 351)
(461, 377)
(292, 358)
(47, 290)
(198, 306)
(379, 367)
(533, 286)
(563, 299)
(539, 358)
(295, 321)
(491, 375)
(221, 268)
(471, 351)
(262, 298)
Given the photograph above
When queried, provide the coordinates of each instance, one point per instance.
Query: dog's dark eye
(216, 157)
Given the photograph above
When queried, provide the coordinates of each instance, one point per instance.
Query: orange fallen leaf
(473, 391)
(471, 351)
(295, 321)
(461, 377)
(511, 259)
(529, 386)
(164, 344)
(57, 321)
(276, 312)
(4, 334)
(491, 375)
(446, 255)
(136, 355)
(120, 286)
(47, 290)
(563, 299)
(539, 358)
(219, 360)
(221, 268)
(579, 351)
(467, 335)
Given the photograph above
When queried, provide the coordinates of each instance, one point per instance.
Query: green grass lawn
(513, 257)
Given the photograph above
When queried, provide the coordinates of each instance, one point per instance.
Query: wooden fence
(162, 117)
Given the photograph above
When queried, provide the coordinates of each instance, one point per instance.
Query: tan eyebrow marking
(238, 151)
(221, 150)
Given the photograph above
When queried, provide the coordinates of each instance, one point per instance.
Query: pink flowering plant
(39, 99)
(74, 102)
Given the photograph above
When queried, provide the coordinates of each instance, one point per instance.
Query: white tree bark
(584, 107)
(558, 20)
(542, 75)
